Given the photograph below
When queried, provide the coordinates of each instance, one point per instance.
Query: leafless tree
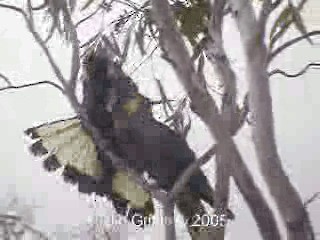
(165, 25)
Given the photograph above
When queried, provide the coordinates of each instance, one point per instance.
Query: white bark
(285, 195)
(173, 45)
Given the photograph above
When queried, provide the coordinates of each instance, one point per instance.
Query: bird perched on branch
(146, 144)
(116, 108)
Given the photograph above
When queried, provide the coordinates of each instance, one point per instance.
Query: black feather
(71, 174)
(51, 163)
(38, 149)
(32, 133)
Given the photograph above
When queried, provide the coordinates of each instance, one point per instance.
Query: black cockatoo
(144, 143)
(121, 113)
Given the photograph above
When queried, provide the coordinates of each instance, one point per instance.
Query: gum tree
(188, 36)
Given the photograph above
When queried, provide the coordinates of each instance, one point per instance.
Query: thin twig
(128, 4)
(290, 43)
(91, 40)
(177, 117)
(14, 8)
(312, 199)
(294, 75)
(90, 15)
(41, 6)
(210, 87)
(50, 33)
(164, 98)
(284, 194)
(38, 39)
(6, 79)
(160, 102)
(144, 60)
(124, 18)
(75, 66)
(33, 84)
(286, 26)
(131, 4)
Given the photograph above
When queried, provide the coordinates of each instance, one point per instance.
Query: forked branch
(290, 43)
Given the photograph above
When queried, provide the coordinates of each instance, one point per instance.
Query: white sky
(296, 107)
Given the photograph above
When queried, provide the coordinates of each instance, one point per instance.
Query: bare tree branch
(286, 26)
(6, 79)
(33, 84)
(129, 4)
(50, 33)
(177, 117)
(287, 198)
(294, 75)
(312, 199)
(75, 66)
(89, 42)
(75, 46)
(38, 39)
(289, 43)
(41, 6)
(90, 15)
(203, 105)
(144, 60)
